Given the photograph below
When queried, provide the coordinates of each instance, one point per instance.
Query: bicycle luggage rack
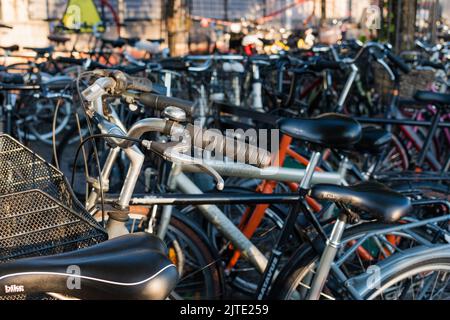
(39, 214)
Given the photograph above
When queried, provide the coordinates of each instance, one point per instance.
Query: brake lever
(220, 184)
(387, 68)
(379, 56)
(174, 152)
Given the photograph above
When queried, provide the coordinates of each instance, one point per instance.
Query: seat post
(327, 258)
(305, 184)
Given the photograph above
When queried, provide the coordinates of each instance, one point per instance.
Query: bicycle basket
(39, 214)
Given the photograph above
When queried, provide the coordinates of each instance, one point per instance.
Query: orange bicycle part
(250, 222)
(140, 210)
(362, 252)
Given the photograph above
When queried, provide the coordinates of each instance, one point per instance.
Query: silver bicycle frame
(179, 181)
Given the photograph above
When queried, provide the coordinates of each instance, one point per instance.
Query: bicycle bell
(174, 113)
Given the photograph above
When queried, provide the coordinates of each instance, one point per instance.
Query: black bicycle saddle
(372, 198)
(328, 130)
(133, 266)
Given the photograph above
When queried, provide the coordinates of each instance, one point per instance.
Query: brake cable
(94, 146)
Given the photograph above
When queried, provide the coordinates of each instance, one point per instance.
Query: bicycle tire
(206, 255)
(305, 256)
(423, 268)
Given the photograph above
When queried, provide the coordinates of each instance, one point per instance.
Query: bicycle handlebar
(323, 64)
(394, 59)
(397, 61)
(160, 102)
(237, 150)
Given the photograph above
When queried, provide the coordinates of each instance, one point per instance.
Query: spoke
(434, 284)
(199, 270)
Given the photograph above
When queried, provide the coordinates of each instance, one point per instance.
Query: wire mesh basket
(39, 214)
(409, 83)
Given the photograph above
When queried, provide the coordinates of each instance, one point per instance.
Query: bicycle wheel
(295, 279)
(197, 263)
(243, 276)
(396, 158)
(427, 279)
(37, 115)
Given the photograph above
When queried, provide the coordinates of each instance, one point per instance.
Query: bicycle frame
(179, 181)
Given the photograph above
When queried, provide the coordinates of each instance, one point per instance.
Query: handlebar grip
(398, 62)
(139, 84)
(11, 78)
(96, 65)
(434, 65)
(159, 102)
(131, 69)
(233, 148)
(68, 60)
(322, 64)
(176, 64)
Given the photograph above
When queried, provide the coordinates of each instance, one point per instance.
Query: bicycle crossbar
(213, 198)
(233, 169)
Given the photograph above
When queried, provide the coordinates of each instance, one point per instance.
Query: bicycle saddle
(58, 38)
(115, 43)
(14, 47)
(433, 97)
(11, 78)
(157, 40)
(329, 130)
(175, 64)
(373, 140)
(133, 266)
(41, 51)
(372, 198)
(58, 83)
(130, 41)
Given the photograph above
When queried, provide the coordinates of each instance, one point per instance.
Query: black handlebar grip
(175, 64)
(398, 62)
(434, 65)
(68, 60)
(96, 65)
(235, 149)
(130, 69)
(159, 102)
(139, 84)
(14, 47)
(11, 78)
(325, 64)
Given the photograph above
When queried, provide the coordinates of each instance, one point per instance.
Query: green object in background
(82, 15)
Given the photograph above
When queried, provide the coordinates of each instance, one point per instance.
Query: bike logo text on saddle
(14, 288)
